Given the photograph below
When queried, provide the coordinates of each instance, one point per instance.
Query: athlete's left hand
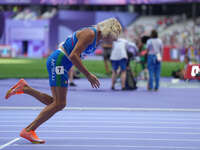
(93, 80)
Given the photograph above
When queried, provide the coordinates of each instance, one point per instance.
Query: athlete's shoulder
(86, 34)
(89, 31)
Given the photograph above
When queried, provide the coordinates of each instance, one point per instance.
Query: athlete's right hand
(93, 80)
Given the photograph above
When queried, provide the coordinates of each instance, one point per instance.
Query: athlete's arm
(85, 38)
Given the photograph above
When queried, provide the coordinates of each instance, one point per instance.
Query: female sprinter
(81, 42)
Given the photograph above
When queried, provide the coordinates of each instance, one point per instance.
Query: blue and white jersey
(71, 41)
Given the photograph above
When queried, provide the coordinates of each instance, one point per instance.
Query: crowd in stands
(175, 31)
(31, 13)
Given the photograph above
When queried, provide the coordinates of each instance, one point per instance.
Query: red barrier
(167, 54)
(192, 72)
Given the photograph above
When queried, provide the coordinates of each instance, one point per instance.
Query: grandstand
(177, 28)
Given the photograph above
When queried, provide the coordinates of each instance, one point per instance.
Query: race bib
(59, 70)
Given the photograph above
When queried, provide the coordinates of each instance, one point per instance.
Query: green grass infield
(36, 68)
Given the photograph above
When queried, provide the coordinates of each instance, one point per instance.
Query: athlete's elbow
(72, 57)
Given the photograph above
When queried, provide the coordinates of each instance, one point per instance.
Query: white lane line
(122, 139)
(115, 115)
(103, 118)
(106, 109)
(108, 121)
(110, 132)
(107, 116)
(132, 139)
(9, 143)
(108, 126)
(110, 146)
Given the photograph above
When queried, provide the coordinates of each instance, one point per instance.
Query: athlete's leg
(22, 87)
(59, 102)
(42, 97)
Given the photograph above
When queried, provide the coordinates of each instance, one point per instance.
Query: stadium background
(33, 29)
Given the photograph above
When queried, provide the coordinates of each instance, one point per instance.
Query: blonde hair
(111, 27)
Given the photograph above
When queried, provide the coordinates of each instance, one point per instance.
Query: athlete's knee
(48, 99)
(60, 106)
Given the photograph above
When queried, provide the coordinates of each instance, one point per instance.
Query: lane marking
(77, 113)
(115, 146)
(96, 113)
(108, 126)
(109, 121)
(133, 139)
(106, 109)
(72, 117)
(111, 138)
(103, 118)
(109, 132)
(9, 143)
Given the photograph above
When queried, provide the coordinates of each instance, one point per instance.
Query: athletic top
(154, 46)
(119, 50)
(71, 41)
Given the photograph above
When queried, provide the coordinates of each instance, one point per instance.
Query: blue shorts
(58, 66)
(119, 63)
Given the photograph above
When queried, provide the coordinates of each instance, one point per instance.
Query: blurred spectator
(71, 76)
(132, 51)
(179, 74)
(143, 57)
(119, 59)
(107, 48)
(33, 13)
(49, 14)
(155, 50)
(26, 14)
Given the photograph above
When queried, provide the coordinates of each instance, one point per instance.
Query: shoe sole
(35, 142)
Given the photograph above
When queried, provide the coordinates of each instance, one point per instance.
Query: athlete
(69, 53)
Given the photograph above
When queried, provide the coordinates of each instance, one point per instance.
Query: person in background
(143, 56)
(179, 74)
(132, 51)
(107, 48)
(71, 77)
(154, 59)
(80, 43)
(118, 59)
